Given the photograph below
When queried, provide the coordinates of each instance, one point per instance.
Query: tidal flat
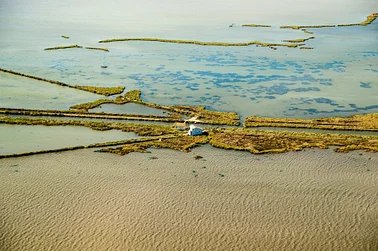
(309, 200)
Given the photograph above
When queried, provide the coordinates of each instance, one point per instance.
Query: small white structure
(194, 130)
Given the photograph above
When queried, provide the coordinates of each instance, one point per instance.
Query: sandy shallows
(312, 200)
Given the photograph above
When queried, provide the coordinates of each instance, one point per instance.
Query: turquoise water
(338, 77)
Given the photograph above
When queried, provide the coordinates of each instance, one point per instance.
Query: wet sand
(82, 200)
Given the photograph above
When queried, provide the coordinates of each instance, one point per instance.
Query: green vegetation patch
(106, 91)
(140, 129)
(96, 145)
(254, 141)
(259, 142)
(197, 42)
(256, 25)
(369, 19)
(97, 48)
(368, 122)
(307, 32)
(299, 40)
(180, 143)
(305, 48)
(91, 105)
(63, 47)
(199, 113)
(85, 114)
(297, 27)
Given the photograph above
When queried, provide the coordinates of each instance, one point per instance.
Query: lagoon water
(338, 77)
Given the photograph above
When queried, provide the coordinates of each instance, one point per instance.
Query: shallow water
(21, 138)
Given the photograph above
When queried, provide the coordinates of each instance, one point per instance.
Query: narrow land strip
(106, 91)
(367, 122)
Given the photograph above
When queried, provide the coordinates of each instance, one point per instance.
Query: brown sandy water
(81, 200)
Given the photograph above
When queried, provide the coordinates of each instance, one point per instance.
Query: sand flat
(81, 200)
